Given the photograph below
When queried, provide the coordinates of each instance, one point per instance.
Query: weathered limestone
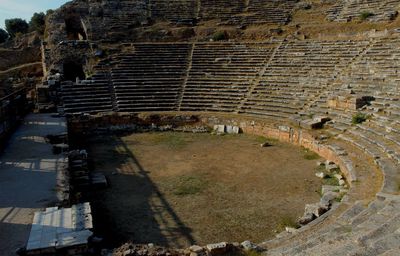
(348, 102)
(57, 229)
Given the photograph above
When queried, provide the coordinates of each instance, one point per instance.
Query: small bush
(3, 36)
(220, 36)
(330, 180)
(287, 221)
(359, 118)
(365, 15)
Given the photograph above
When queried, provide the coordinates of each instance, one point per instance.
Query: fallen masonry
(60, 229)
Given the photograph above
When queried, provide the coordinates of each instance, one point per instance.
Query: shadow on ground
(147, 217)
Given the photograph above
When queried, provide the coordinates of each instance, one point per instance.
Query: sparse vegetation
(171, 140)
(329, 179)
(16, 26)
(251, 253)
(365, 15)
(37, 22)
(340, 197)
(359, 118)
(287, 221)
(220, 36)
(189, 185)
(310, 155)
(262, 140)
(3, 35)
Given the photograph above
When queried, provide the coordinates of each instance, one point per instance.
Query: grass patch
(359, 118)
(365, 15)
(287, 221)
(262, 140)
(329, 179)
(189, 185)
(251, 253)
(340, 197)
(171, 140)
(220, 36)
(310, 155)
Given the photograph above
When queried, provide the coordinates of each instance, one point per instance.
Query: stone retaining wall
(86, 124)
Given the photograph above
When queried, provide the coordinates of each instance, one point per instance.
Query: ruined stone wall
(78, 52)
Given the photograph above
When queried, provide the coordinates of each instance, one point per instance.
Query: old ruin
(319, 76)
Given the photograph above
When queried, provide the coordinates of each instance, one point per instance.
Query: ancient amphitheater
(321, 75)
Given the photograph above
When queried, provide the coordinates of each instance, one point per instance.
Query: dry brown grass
(209, 187)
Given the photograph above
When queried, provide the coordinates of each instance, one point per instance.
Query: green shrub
(330, 180)
(287, 221)
(365, 15)
(3, 36)
(220, 36)
(16, 26)
(359, 118)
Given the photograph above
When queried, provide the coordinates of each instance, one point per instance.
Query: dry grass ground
(176, 189)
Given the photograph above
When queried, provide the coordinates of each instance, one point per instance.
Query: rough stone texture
(218, 248)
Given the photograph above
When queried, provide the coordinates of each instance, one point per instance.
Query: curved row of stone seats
(268, 80)
(380, 10)
(123, 14)
(250, 12)
(221, 9)
(151, 77)
(221, 74)
(298, 72)
(361, 230)
(181, 12)
(265, 12)
(89, 96)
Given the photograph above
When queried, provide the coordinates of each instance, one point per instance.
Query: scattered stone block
(328, 197)
(196, 248)
(338, 176)
(219, 128)
(307, 218)
(218, 248)
(98, 180)
(265, 144)
(290, 230)
(236, 130)
(331, 167)
(329, 188)
(316, 209)
(320, 175)
(249, 246)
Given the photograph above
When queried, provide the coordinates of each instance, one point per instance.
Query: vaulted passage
(74, 28)
(73, 70)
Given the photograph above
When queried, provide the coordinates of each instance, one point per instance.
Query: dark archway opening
(73, 70)
(74, 28)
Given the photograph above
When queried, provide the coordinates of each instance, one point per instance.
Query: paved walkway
(27, 178)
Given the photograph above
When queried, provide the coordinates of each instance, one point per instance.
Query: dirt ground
(177, 189)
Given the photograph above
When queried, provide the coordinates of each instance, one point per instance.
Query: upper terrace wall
(111, 19)
(346, 10)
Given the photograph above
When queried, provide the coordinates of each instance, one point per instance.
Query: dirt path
(20, 67)
(179, 189)
(27, 179)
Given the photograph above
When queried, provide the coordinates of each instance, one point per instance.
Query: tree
(3, 35)
(14, 26)
(37, 22)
